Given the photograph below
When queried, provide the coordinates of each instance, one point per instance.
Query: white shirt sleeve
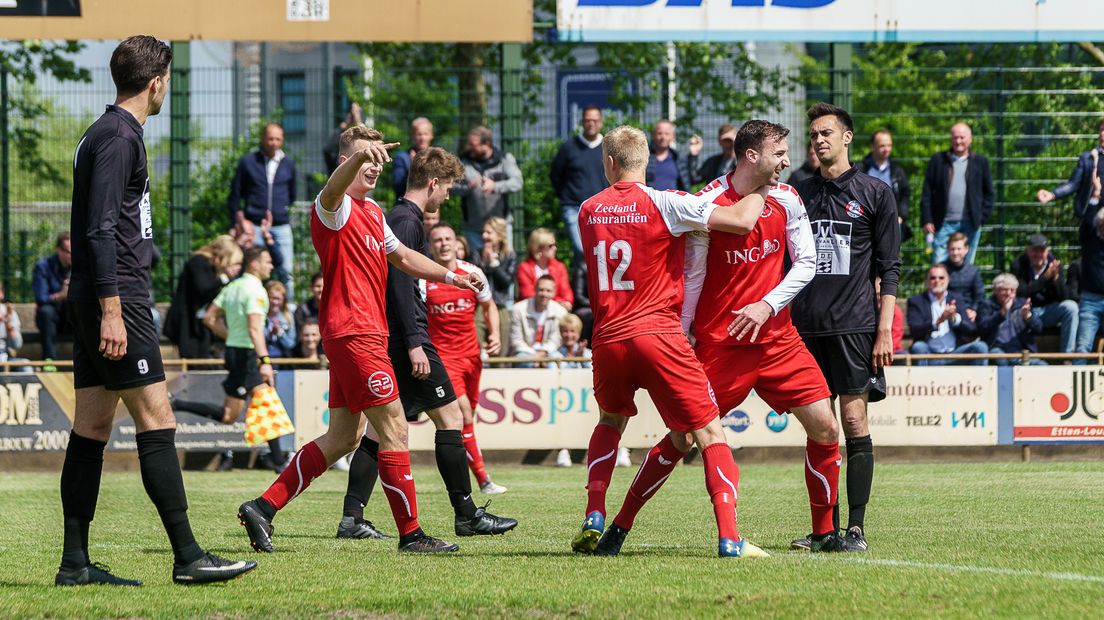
(697, 251)
(801, 248)
(390, 241)
(484, 295)
(682, 212)
(334, 220)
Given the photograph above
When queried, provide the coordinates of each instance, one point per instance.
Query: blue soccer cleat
(587, 538)
(728, 548)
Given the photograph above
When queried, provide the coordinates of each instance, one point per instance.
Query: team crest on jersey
(381, 384)
(854, 209)
(767, 210)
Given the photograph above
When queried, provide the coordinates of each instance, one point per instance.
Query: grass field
(948, 540)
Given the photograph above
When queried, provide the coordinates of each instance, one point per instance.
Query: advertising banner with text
(1058, 404)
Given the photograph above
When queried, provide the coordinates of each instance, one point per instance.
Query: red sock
(722, 479)
(305, 466)
(601, 456)
(822, 468)
(655, 469)
(398, 486)
(475, 457)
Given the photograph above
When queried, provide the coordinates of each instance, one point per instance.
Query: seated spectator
(279, 325)
(541, 262)
(965, 279)
(499, 263)
(582, 297)
(309, 308)
(1073, 282)
(11, 336)
(310, 343)
(50, 283)
(571, 328)
(1041, 281)
(1007, 322)
(534, 323)
(206, 272)
(898, 330)
(462, 249)
(936, 325)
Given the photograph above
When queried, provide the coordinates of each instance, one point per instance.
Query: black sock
(276, 450)
(363, 472)
(206, 410)
(266, 508)
(411, 537)
(80, 487)
(860, 477)
(452, 462)
(165, 487)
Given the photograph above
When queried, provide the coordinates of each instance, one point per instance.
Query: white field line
(967, 568)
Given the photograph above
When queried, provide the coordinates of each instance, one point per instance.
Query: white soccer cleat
(563, 459)
(623, 458)
(490, 488)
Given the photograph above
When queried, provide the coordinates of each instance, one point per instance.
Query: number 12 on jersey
(618, 250)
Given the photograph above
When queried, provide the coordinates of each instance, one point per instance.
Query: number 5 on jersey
(618, 250)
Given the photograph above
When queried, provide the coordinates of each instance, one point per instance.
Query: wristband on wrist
(264, 359)
(450, 277)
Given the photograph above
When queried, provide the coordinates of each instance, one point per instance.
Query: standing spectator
(206, 272)
(1042, 282)
(331, 151)
(279, 329)
(1091, 234)
(577, 172)
(421, 138)
(1089, 166)
(1006, 322)
(581, 290)
(879, 165)
(807, 169)
(571, 342)
(262, 192)
(958, 194)
(666, 170)
(51, 288)
(499, 263)
(714, 166)
(489, 176)
(534, 324)
(937, 326)
(542, 262)
(965, 278)
(309, 308)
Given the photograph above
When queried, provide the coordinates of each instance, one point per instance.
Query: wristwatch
(264, 359)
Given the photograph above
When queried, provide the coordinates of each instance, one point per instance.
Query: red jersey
(634, 247)
(742, 269)
(352, 245)
(451, 314)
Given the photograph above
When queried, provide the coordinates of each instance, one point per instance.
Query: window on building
(293, 102)
(343, 80)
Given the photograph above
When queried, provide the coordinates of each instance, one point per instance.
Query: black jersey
(406, 308)
(112, 224)
(854, 221)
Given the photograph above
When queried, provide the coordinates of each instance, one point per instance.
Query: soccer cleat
(483, 523)
(611, 541)
(832, 543)
(490, 488)
(623, 459)
(428, 544)
(854, 541)
(802, 544)
(728, 548)
(93, 574)
(587, 538)
(209, 569)
(351, 527)
(226, 461)
(563, 458)
(257, 526)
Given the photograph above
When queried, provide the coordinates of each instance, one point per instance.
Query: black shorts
(846, 360)
(430, 393)
(141, 365)
(243, 373)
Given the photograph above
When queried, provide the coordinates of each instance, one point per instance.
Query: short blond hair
(572, 321)
(628, 146)
(354, 134)
(540, 238)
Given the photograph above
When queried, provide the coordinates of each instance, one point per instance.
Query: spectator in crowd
(11, 334)
(958, 194)
(279, 331)
(330, 152)
(246, 235)
(421, 138)
(206, 272)
(1042, 282)
(571, 342)
(1073, 284)
(50, 282)
(666, 170)
(937, 326)
(807, 169)
(542, 262)
(965, 278)
(462, 249)
(534, 323)
(262, 192)
(1091, 235)
(581, 291)
(1006, 321)
(577, 172)
(879, 164)
(1080, 184)
(430, 220)
(309, 308)
(499, 263)
(715, 165)
(310, 342)
(490, 175)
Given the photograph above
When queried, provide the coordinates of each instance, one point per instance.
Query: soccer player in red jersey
(745, 339)
(354, 246)
(451, 313)
(634, 243)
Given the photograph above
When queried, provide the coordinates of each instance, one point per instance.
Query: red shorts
(782, 372)
(663, 364)
(360, 372)
(464, 373)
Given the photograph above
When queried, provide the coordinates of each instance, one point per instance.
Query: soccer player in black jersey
(843, 320)
(116, 350)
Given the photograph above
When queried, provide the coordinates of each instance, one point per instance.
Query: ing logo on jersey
(381, 384)
(854, 209)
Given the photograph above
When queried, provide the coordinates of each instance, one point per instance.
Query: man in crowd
(964, 278)
(577, 172)
(937, 325)
(1090, 165)
(1042, 280)
(534, 330)
(309, 308)
(421, 138)
(50, 283)
(1007, 321)
(808, 169)
(1091, 279)
(880, 165)
(958, 194)
(490, 176)
(715, 166)
(666, 168)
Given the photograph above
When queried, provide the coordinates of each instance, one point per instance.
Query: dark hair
(545, 277)
(316, 276)
(434, 163)
(442, 225)
(61, 238)
(591, 107)
(754, 133)
(310, 320)
(485, 135)
(136, 61)
(827, 109)
(251, 255)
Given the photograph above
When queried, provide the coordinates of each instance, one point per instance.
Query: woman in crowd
(499, 263)
(542, 261)
(280, 325)
(203, 276)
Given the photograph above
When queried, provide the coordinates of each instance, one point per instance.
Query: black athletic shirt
(406, 308)
(857, 238)
(112, 224)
